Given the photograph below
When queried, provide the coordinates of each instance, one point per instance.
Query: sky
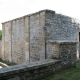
(11, 9)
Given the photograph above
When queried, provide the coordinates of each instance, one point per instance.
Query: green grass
(69, 74)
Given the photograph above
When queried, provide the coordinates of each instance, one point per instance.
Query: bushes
(0, 34)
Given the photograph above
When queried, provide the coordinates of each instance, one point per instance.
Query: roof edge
(45, 10)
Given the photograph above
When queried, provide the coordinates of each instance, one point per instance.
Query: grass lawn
(69, 74)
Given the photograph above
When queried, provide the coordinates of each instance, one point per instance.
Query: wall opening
(45, 51)
(79, 36)
(79, 44)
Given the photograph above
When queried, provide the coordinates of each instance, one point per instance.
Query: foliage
(0, 34)
(69, 74)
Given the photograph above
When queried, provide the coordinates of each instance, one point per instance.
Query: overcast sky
(10, 9)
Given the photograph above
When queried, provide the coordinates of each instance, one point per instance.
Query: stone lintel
(61, 42)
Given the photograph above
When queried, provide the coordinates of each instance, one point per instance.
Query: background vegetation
(69, 74)
(0, 34)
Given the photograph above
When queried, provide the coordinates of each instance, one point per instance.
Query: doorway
(79, 44)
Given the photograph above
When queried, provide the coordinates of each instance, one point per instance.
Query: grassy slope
(69, 74)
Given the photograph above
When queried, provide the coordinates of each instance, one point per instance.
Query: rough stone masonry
(41, 35)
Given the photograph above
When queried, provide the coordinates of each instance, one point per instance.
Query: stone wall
(31, 71)
(67, 53)
(60, 28)
(23, 39)
(27, 39)
(37, 41)
(64, 51)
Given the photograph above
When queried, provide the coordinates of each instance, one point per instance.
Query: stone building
(41, 35)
